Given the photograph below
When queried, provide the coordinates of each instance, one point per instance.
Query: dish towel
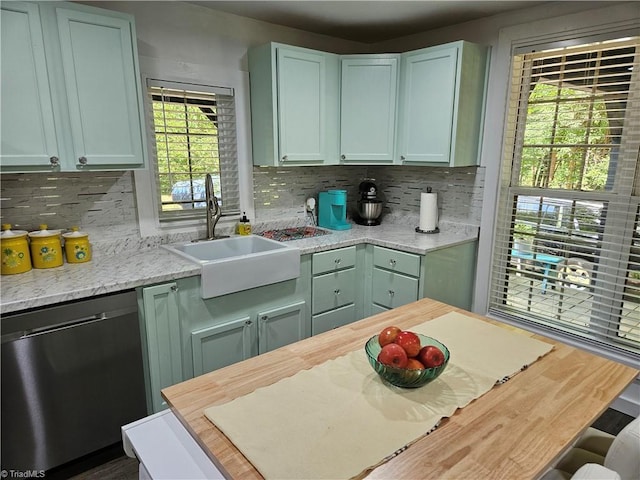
(339, 419)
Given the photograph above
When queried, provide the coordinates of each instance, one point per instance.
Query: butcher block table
(516, 430)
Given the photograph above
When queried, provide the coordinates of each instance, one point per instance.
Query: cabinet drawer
(333, 290)
(333, 319)
(392, 289)
(400, 262)
(333, 260)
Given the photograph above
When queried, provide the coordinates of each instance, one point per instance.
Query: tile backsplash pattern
(94, 201)
(104, 204)
(281, 191)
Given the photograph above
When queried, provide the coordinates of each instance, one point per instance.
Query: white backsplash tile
(104, 205)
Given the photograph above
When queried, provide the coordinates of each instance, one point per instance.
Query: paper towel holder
(435, 230)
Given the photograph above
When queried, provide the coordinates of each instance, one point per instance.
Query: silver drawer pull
(392, 262)
(391, 293)
(337, 291)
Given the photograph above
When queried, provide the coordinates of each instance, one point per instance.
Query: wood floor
(112, 464)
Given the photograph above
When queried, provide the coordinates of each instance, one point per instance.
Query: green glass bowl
(401, 377)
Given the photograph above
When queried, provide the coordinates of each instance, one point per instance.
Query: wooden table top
(516, 430)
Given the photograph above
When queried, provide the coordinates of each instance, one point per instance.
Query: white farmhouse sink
(239, 263)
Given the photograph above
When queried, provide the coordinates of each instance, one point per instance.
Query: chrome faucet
(214, 212)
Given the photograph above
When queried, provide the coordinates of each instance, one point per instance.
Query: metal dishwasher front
(72, 375)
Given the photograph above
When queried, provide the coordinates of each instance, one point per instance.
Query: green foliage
(563, 140)
(186, 141)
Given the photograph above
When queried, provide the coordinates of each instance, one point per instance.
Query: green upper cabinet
(76, 97)
(294, 106)
(28, 129)
(442, 96)
(368, 108)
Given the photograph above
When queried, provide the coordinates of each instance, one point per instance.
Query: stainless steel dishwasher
(72, 375)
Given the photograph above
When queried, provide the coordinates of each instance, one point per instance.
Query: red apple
(388, 335)
(410, 342)
(431, 356)
(393, 355)
(414, 364)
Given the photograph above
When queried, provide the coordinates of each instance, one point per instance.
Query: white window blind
(195, 134)
(567, 247)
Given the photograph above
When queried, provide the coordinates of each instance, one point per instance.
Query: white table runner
(338, 420)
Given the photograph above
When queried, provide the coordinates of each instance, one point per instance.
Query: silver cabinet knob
(391, 293)
(82, 160)
(392, 262)
(55, 161)
(284, 158)
(403, 158)
(337, 291)
(264, 318)
(174, 288)
(248, 323)
(337, 261)
(343, 157)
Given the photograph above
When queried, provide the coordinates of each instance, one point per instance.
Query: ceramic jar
(15, 251)
(46, 248)
(76, 246)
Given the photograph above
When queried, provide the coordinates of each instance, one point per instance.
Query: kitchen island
(516, 430)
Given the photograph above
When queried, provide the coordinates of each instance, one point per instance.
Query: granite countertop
(131, 269)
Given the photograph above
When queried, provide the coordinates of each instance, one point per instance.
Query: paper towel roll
(428, 211)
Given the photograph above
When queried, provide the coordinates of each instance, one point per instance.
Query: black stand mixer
(369, 206)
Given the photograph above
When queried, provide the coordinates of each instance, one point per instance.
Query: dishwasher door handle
(97, 317)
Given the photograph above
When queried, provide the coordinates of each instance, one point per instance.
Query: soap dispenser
(244, 226)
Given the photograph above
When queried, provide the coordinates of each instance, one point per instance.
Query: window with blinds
(567, 247)
(194, 129)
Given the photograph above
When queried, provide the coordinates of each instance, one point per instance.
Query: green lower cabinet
(333, 319)
(222, 345)
(391, 290)
(281, 326)
(449, 274)
(161, 339)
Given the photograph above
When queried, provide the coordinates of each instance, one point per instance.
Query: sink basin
(238, 263)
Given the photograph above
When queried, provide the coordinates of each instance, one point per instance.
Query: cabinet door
(162, 328)
(333, 319)
(101, 87)
(28, 130)
(301, 104)
(392, 289)
(428, 97)
(281, 326)
(368, 110)
(221, 345)
(333, 290)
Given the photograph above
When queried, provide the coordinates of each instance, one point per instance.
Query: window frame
(595, 24)
(146, 190)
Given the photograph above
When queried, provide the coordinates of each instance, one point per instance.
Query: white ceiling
(366, 21)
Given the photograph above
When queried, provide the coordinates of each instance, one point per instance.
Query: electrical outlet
(310, 204)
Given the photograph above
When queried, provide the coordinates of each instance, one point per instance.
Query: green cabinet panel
(333, 290)
(76, 78)
(160, 324)
(333, 319)
(396, 261)
(281, 326)
(26, 111)
(102, 90)
(368, 108)
(449, 275)
(391, 289)
(222, 345)
(441, 104)
(294, 105)
(333, 260)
